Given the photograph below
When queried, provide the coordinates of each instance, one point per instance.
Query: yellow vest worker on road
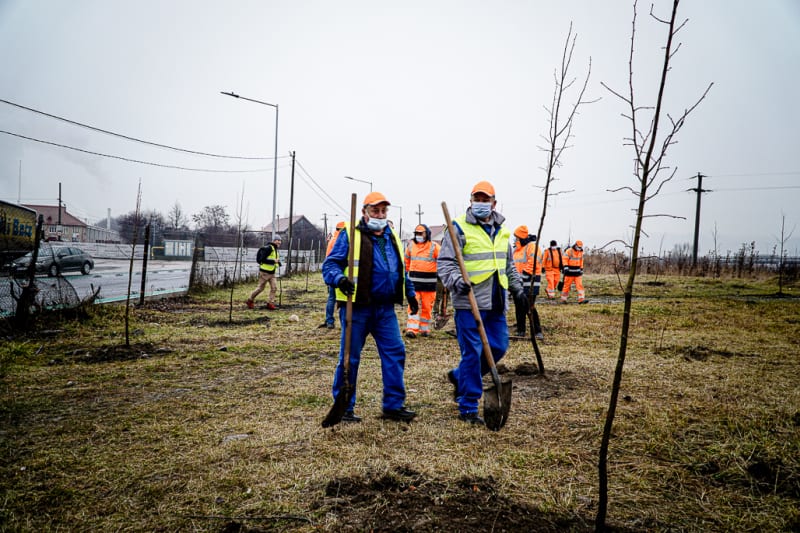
(421, 256)
(573, 272)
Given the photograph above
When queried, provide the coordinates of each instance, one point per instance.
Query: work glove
(413, 305)
(346, 286)
(521, 299)
(462, 287)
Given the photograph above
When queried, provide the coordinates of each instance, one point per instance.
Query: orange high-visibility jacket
(524, 257)
(552, 259)
(573, 262)
(331, 242)
(421, 264)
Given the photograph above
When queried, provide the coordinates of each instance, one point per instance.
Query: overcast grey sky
(422, 98)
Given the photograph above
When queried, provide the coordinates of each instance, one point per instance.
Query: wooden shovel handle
(348, 314)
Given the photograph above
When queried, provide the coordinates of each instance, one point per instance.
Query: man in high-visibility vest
(527, 257)
(421, 256)
(330, 305)
(379, 283)
(491, 276)
(268, 263)
(573, 272)
(553, 263)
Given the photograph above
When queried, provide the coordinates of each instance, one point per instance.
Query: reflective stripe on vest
(422, 265)
(482, 256)
(340, 296)
(524, 259)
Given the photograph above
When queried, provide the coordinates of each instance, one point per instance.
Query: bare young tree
(561, 118)
(240, 227)
(650, 147)
(784, 238)
(137, 213)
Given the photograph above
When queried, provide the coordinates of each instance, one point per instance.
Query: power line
(175, 167)
(759, 188)
(790, 173)
(335, 203)
(126, 137)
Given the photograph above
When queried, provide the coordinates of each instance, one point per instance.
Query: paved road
(163, 277)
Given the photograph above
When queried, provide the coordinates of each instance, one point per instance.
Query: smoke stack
(108, 219)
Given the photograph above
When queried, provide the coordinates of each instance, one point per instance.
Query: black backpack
(263, 253)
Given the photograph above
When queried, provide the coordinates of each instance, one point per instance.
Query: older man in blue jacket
(381, 282)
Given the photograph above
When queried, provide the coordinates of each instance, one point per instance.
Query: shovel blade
(340, 404)
(440, 321)
(497, 404)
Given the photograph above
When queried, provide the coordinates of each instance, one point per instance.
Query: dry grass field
(206, 424)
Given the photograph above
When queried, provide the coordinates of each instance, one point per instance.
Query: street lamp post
(274, 164)
(400, 228)
(362, 181)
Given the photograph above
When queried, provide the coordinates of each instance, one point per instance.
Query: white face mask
(420, 239)
(377, 224)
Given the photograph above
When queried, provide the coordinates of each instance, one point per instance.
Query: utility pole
(325, 225)
(291, 207)
(420, 213)
(699, 190)
(59, 229)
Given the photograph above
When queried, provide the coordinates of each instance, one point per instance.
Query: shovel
(497, 398)
(442, 317)
(342, 399)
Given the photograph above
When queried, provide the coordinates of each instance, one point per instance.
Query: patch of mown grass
(706, 436)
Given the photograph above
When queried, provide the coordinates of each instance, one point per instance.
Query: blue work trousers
(473, 364)
(330, 305)
(380, 321)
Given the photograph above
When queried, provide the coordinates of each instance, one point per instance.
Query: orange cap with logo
(485, 187)
(375, 198)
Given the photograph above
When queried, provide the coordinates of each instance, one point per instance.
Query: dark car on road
(55, 260)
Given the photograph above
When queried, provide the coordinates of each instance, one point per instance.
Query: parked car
(55, 260)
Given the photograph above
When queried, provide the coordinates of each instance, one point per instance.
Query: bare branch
(625, 244)
(664, 215)
(622, 189)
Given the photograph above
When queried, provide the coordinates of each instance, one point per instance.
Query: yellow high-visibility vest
(273, 254)
(482, 256)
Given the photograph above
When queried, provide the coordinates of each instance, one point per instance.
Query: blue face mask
(376, 224)
(481, 209)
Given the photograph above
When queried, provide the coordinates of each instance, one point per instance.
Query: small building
(305, 235)
(60, 225)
